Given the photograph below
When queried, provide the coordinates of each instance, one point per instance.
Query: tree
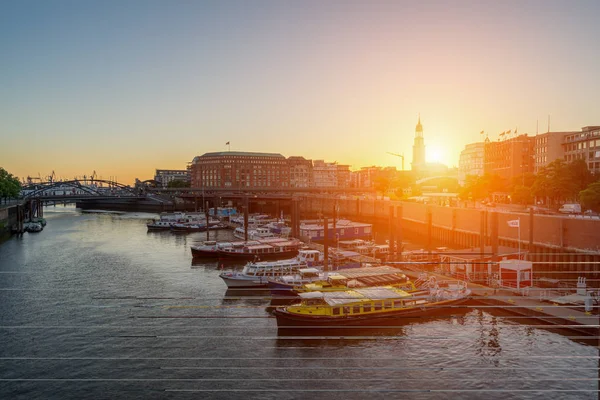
(590, 197)
(178, 184)
(9, 185)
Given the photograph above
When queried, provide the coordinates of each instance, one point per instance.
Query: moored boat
(266, 249)
(375, 306)
(257, 274)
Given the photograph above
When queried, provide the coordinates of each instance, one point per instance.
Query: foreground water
(96, 307)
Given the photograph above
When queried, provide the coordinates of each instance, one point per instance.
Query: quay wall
(8, 217)
(547, 230)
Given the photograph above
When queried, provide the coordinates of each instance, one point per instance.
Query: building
(164, 176)
(509, 158)
(240, 170)
(471, 161)
(549, 147)
(301, 172)
(584, 145)
(418, 160)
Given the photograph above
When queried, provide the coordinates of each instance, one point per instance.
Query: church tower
(418, 160)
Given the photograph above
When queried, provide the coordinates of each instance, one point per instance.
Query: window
(356, 310)
(367, 307)
(335, 310)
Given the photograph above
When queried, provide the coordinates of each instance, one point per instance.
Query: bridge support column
(391, 224)
(482, 232)
(399, 229)
(530, 229)
(494, 235)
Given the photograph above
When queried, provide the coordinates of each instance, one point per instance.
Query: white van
(570, 208)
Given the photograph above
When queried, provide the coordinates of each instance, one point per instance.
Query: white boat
(257, 274)
(253, 234)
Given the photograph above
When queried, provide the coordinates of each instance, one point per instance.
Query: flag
(515, 131)
(481, 133)
(226, 144)
(513, 223)
(508, 132)
(503, 133)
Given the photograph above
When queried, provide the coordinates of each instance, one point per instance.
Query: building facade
(471, 161)
(549, 147)
(510, 158)
(584, 145)
(164, 176)
(301, 172)
(324, 174)
(240, 170)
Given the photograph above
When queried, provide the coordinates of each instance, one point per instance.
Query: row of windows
(372, 307)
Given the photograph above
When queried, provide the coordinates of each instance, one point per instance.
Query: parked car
(570, 208)
(541, 210)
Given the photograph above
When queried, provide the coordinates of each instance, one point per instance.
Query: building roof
(241, 153)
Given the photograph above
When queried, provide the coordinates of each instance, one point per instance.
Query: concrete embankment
(8, 217)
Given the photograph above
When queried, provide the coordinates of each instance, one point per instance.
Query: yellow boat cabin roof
(357, 295)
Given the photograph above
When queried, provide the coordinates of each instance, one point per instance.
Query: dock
(546, 308)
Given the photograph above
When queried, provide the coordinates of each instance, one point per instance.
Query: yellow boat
(374, 306)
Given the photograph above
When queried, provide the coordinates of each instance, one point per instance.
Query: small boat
(374, 306)
(287, 288)
(254, 233)
(257, 274)
(266, 249)
(209, 248)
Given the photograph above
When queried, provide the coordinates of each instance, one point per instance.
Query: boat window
(367, 307)
(335, 310)
(356, 310)
(387, 304)
(398, 303)
(378, 306)
(410, 303)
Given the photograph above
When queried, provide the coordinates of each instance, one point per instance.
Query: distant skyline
(126, 87)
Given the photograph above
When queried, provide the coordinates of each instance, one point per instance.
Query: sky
(123, 87)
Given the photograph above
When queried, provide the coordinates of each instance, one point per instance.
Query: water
(96, 307)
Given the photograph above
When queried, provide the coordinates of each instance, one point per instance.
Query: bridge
(77, 190)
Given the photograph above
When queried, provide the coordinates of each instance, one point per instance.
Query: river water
(96, 307)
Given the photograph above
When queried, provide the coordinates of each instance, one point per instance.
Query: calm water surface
(96, 307)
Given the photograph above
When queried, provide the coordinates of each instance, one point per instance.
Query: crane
(399, 155)
(51, 177)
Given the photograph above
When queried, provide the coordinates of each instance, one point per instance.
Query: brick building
(240, 170)
(510, 158)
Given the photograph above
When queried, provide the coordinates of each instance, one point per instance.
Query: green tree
(590, 197)
(10, 186)
(178, 184)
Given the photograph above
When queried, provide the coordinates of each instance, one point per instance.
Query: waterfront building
(509, 158)
(549, 147)
(301, 172)
(330, 175)
(240, 170)
(584, 145)
(418, 160)
(471, 161)
(164, 176)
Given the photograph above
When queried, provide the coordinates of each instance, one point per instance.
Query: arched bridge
(77, 190)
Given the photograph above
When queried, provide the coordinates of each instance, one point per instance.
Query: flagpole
(519, 219)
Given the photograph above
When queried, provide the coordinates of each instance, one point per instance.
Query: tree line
(555, 184)
(10, 187)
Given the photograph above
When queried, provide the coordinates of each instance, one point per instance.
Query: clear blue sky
(124, 87)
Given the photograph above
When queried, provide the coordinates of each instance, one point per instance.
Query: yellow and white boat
(374, 306)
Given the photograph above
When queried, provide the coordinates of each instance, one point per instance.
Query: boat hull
(261, 257)
(236, 283)
(389, 318)
(204, 253)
